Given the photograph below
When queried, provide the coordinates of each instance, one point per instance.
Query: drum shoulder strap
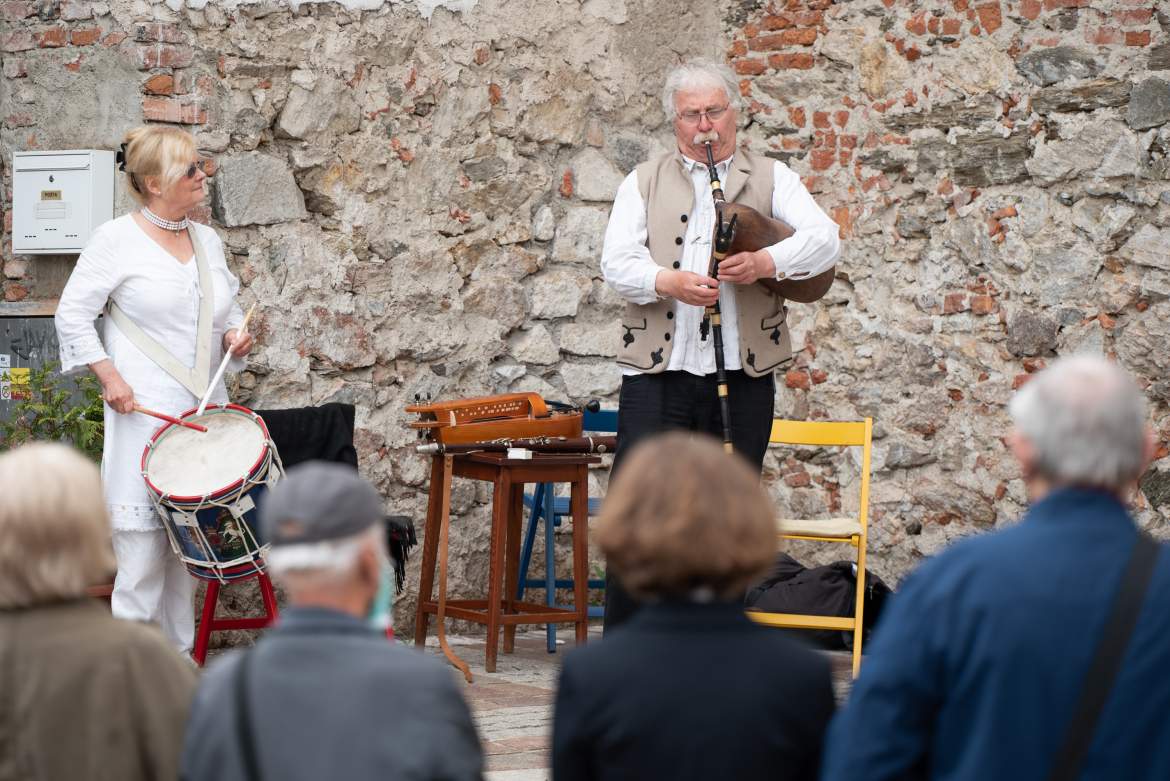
(193, 379)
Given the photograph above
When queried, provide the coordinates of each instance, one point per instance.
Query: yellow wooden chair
(852, 531)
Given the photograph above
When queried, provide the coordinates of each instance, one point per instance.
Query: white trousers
(153, 585)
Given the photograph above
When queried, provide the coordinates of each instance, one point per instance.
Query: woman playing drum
(171, 317)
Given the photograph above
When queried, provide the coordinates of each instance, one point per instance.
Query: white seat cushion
(825, 527)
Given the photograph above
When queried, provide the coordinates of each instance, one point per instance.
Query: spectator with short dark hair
(690, 688)
(82, 694)
(324, 694)
(1011, 655)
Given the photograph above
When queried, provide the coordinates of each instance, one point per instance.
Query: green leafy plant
(52, 408)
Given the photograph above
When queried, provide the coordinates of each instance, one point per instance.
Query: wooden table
(500, 607)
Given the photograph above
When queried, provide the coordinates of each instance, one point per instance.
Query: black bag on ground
(790, 587)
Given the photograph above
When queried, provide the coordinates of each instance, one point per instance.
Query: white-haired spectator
(1039, 651)
(324, 694)
(82, 694)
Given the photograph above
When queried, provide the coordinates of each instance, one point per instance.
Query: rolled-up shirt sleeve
(816, 244)
(93, 279)
(626, 264)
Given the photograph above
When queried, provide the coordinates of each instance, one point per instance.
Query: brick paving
(513, 707)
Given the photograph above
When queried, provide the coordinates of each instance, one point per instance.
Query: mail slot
(59, 198)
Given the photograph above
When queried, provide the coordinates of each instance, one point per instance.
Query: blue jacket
(974, 670)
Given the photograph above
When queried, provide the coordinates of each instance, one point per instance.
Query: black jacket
(691, 691)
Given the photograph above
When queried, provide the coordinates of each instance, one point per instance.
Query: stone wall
(415, 193)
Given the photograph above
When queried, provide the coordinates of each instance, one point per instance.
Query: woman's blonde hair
(54, 531)
(683, 515)
(161, 151)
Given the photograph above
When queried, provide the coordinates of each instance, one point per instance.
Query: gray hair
(328, 559)
(1086, 420)
(698, 74)
(54, 531)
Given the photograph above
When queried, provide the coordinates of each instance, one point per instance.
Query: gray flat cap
(318, 501)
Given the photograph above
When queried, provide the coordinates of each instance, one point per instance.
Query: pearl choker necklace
(167, 225)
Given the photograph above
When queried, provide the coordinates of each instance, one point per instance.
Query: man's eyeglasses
(203, 165)
(693, 117)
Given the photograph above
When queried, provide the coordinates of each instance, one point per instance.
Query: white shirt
(628, 268)
(162, 296)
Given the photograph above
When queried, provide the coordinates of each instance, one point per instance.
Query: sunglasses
(203, 165)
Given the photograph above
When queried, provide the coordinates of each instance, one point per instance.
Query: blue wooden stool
(543, 504)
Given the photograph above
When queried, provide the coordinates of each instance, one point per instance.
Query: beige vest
(648, 329)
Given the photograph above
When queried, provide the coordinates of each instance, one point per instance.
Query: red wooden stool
(208, 623)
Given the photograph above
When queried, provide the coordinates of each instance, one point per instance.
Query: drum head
(188, 463)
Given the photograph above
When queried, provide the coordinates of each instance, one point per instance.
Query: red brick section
(800, 61)
(163, 55)
(53, 38)
(159, 84)
(173, 110)
(780, 40)
(989, 16)
(953, 303)
(85, 36)
(14, 291)
(742, 67)
(797, 378)
(983, 305)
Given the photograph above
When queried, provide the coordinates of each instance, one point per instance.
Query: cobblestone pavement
(513, 707)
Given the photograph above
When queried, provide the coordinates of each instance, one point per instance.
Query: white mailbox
(59, 198)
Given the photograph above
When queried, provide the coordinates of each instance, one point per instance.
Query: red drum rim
(219, 492)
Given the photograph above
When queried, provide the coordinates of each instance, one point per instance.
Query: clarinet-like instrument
(712, 317)
(606, 444)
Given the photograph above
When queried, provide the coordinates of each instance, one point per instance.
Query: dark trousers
(671, 401)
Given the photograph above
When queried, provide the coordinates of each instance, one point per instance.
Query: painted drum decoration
(207, 488)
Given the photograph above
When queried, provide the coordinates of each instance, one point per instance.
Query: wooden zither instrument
(472, 425)
(487, 418)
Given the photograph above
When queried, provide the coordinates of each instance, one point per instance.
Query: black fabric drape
(322, 433)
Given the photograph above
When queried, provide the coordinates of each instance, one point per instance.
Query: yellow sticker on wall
(18, 384)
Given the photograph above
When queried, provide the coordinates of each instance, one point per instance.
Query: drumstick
(227, 356)
(169, 418)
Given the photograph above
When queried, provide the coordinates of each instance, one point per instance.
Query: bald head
(1082, 422)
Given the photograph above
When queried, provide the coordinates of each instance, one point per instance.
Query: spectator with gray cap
(323, 694)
